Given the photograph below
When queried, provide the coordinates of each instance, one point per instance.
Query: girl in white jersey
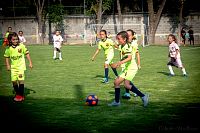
(57, 41)
(174, 55)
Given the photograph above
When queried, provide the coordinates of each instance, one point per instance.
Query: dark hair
(13, 34)
(123, 34)
(9, 28)
(20, 31)
(173, 37)
(133, 33)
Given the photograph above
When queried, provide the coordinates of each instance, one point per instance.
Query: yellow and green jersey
(16, 55)
(107, 46)
(126, 50)
(134, 46)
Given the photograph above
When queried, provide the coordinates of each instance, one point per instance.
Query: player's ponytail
(124, 35)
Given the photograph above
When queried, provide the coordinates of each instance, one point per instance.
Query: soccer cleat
(60, 58)
(114, 103)
(185, 75)
(126, 96)
(18, 98)
(171, 75)
(105, 80)
(145, 99)
(54, 58)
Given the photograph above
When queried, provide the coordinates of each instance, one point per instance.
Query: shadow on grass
(67, 115)
(164, 73)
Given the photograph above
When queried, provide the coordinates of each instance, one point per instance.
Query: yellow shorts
(109, 59)
(17, 75)
(128, 74)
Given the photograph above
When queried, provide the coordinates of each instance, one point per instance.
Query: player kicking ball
(15, 62)
(57, 42)
(174, 55)
(129, 71)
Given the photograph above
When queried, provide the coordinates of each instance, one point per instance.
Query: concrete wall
(80, 29)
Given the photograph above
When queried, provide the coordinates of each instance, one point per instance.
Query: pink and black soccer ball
(91, 100)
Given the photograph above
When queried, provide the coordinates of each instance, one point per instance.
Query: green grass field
(56, 92)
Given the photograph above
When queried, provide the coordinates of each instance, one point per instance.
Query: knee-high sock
(117, 94)
(170, 69)
(16, 88)
(136, 91)
(21, 89)
(106, 73)
(115, 71)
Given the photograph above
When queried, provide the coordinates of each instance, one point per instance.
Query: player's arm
(29, 59)
(124, 61)
(7, 60)
(138, 59)
(95, 54)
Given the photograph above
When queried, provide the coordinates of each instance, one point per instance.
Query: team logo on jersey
(123, 53)
(20, 50)
(107, 44)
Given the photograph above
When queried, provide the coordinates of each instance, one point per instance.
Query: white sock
(54, 53)
(170, 69)
(60, 55)
(183, 70)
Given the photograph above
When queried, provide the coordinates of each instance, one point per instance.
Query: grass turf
(56, 92)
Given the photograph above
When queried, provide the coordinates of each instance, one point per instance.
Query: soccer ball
(91, 100)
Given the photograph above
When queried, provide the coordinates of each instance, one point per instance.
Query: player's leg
(170, 64)
(114, 70)
(14, 79)
(54, 53)
(117, 83)
(180, 65)
(59, 53)
(106, 70)
(135, 90)
(132, 73)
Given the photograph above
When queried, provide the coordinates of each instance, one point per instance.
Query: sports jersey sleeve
(24, 49)
(7, 53)
(176, 47)
(61, 39)
(99, 45)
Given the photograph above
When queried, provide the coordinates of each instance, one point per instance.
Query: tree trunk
(180, 24)
(154, 19)
(99, 16)
(120, 15)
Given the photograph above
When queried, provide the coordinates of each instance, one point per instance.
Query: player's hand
(8, 68)
(92, 59)
(30, 65)
(118, 64)
(139, 67)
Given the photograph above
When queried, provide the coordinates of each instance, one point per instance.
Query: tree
(56, 15)
(180, 24)
(98, 7)
(40, 18)
(120, 15)
(154, 19)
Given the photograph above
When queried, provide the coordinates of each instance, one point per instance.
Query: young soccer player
(5, 41)
(107, 45)
(57, 42)
(133, 42)
(21, 37)
(15, 62)
(128, 72)
(174, 55)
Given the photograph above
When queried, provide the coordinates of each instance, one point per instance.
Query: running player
(107, 45)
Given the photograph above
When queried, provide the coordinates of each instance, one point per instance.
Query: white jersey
(172, 50)
(22, 39)
(57, 40)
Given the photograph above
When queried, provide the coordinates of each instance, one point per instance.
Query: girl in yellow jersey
(15, 62)
(107, 45)
(129, 71)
